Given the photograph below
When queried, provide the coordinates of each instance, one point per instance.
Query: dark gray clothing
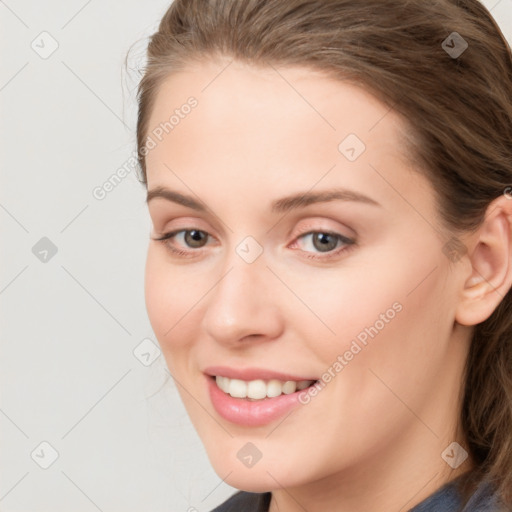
(445, 499)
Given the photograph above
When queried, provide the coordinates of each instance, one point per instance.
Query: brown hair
(459, 110)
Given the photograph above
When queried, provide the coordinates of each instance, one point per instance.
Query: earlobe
(491, 265)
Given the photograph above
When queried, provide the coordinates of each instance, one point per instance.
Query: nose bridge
(241, 303)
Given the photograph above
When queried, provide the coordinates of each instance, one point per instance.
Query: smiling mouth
(260, 389)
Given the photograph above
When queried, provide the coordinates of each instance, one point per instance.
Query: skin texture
(372, 438)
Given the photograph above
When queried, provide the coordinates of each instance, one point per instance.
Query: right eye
(189, 238)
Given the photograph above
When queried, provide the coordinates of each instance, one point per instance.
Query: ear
(490, 254)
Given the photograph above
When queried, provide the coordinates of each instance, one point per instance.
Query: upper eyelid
(309, 226)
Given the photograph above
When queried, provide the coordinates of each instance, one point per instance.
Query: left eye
(323, 241)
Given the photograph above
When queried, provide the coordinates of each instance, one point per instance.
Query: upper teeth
(258, 389)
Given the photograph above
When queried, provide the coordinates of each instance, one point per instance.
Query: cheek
(169, 294)
(156, 290)
(391, 304)
(396, 321)
(348, 301)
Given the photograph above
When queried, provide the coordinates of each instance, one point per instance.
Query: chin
(253, 481)
(263, 476)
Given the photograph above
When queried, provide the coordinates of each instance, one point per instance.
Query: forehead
(231, 90)
(232, 95)
(274, 125)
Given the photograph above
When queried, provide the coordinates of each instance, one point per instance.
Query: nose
(244, 304)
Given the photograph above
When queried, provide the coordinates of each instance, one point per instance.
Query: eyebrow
(283, 205)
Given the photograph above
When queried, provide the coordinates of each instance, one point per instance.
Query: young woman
(330, 263)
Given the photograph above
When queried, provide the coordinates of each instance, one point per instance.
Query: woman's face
(307, 249)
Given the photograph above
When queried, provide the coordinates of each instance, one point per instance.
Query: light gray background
(73, 370)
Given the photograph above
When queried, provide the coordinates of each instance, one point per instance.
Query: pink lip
(249, 413)
(252, 374)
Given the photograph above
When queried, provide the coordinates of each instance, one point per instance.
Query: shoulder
(245, 502)
(485, 499)
(449, 498)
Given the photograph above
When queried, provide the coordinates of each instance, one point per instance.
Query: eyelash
(349, 244)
